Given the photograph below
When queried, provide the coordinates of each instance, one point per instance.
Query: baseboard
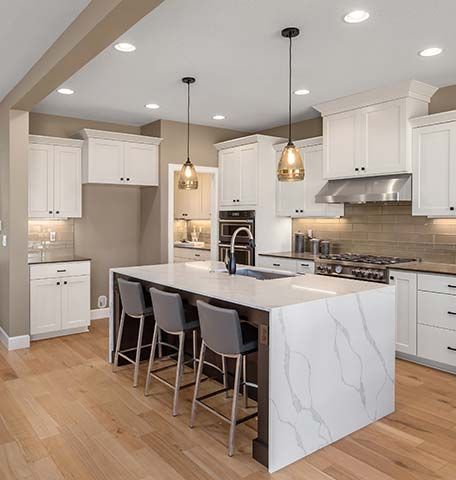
(59, 333)
(98, 313)
(14, 343)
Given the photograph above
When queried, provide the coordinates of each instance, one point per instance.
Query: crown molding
(304, 143)
(89, 133)
(237, 142)
(62, 142)
(434, 119)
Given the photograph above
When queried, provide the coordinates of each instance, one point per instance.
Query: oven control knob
(355, 272)
(369, 274)
(364, 273)
(329, 268)
(338, 268)
(380, 275)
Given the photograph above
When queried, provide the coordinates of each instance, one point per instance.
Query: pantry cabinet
(238, 175)
(120, 159)
(434, 165)
(297, 199)
(54, 184)
(59, 298)
(369, 133)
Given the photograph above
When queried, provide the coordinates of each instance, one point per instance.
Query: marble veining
(332, 371)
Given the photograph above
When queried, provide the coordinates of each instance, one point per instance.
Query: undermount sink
(262, 274)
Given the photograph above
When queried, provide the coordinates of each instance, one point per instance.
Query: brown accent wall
(109, 230)
(154, 206)
(387, 229)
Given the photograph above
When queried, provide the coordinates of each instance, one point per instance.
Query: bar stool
(224, 334)
(133, 305)
(170, 318)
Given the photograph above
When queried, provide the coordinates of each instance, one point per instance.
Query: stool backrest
(220, 328)
(132, 297)
(168, 310)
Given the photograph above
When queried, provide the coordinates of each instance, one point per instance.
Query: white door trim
(173, 167)
(14, 343)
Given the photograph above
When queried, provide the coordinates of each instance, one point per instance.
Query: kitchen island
(326, 346)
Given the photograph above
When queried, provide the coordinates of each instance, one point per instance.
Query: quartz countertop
(191, 246)
(47, 259)
(428, 267)
(291, 255)
(211, 279)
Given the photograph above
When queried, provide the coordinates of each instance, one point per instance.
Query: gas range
(362, 267)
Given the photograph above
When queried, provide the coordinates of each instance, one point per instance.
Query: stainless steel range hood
(390, 188)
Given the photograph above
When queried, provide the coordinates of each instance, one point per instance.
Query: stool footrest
(220, 415)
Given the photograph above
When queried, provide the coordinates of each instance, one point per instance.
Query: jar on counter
(314, 246)
(325, 247)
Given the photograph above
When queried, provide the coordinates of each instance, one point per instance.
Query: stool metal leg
(152, 358)
(237, 381)
(197, 384)
(160, 346)
(179, 372)
(225, 376)
(195, 360)
(244, 380)
(119, 340)
(138, 351)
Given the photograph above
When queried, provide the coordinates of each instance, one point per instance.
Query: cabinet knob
(65, 282)
(50, 211)
(391, 277)
(356, 169)
(301, 211)
(121, 178)
(451, 208)
(58, 283)
(57, 212)
(362, 168)
(128, 179)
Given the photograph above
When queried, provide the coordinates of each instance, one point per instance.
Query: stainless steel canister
(325, 247)
(300, 243)
(314, 246)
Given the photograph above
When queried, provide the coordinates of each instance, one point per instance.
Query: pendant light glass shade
(188, 179)
(291, 166)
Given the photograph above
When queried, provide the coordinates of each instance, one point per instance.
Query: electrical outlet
(102, 301)
(52, 236)
(4, 240)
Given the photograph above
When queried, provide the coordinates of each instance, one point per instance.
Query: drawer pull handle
(451, 313)
(452, 349)
(304, 264)
(451, 286)
(276, 264)
(61, 271)
(197, 255)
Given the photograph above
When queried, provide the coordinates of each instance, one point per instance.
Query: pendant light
(188, 180)
(291, 167)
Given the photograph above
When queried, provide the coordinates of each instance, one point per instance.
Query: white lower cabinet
(426, 316)
(406, 283)
(59, 298)
(182, 255)
(286, 264)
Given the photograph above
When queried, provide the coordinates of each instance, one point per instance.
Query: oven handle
(234, 222)
(236, 247)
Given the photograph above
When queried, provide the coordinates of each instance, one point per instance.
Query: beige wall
(109, 230)
(305, 129)
(443, 100)
(173, 150)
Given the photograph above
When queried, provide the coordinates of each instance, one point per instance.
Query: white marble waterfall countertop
(211, 279)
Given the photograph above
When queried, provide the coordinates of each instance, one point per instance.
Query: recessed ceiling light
(303, 91)
(219, 117)
(65, 91)
(125, 47)
(357, 16)
(152, 106)
(430, 52)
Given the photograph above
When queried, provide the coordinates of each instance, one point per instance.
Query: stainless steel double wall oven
(229, 222)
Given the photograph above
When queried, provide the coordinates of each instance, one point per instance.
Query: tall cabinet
(54, 185)
(297, 199)
(434, 165)
(369, 133)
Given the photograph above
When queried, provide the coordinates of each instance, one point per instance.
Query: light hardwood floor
(65, 415)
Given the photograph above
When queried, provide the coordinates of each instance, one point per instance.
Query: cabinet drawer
(437, 309)
(437, 283)
(191, 255)
(305, 266)
(286, 264)
(56, 270)
(433, 344)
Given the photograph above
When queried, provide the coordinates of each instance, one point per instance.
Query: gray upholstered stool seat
(134, 306)
(223, 332)
(171, 318)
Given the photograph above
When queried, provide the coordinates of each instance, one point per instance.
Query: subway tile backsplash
(386, 229)
(39, 238)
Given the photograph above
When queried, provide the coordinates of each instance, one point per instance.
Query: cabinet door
(406, 319)
(41, 181)
(383, 139)
(75, 301)
(341, 144)
(106, 161)
(45, 306)
(434, 170)
(249, 174)
(187, 203)
(290, 199)
(230, 176)
(206, 196)
(67, 182)
(141, 164)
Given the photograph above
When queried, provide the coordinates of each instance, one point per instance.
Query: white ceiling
(235, 50)
(27, 29)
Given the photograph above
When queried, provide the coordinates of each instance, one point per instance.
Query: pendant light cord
(188, 121)
(289, 95)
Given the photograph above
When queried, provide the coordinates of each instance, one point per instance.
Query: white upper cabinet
(369, 133)
(54, 177)
(118, 158)
(239, 175)
(297, 199)
(434, 165)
